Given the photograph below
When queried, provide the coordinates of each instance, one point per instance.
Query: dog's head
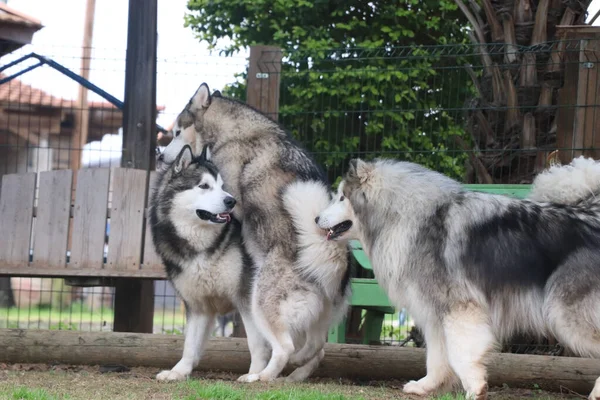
(338, 219)
(188, 127)
(198, 188)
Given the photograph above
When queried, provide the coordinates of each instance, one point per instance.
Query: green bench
(370, 297)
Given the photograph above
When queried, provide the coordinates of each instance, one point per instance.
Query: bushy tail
(325, 261)
(568, 184)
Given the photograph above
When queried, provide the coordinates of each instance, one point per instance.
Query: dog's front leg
(439, 372)
(197, 332)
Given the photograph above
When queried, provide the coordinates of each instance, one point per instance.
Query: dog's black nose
(229, 202)
(317, 220)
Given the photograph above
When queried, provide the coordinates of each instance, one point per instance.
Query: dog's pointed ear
(206, 154)
(216, 93)
(359, 169)
(202, 98)
(184, 159)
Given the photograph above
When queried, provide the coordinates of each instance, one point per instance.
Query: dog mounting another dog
(474, 268)
(301, 284)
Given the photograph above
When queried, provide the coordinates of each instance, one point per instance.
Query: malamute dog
(475, 268)
(200, 244)
(301, 284)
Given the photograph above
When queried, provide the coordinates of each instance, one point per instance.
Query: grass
(86, 383)
(23, 393)
(79, 317)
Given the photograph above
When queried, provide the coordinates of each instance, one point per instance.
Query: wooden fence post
(262, 93)
(134, 298)
(264, 76)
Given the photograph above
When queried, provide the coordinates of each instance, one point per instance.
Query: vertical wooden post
(82, 115)
(264, 76)
(134, 298)
(82, 118)
(578, 115)
(262, 93)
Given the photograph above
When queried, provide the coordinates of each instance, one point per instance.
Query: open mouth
(216, 218)
(337, 230)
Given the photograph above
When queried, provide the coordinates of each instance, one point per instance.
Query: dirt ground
(45, 382)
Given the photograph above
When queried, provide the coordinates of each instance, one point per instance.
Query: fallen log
(231, 354)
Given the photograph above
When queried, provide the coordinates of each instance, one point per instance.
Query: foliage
(379, 92)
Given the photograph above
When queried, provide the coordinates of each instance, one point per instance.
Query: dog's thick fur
(301, 285)
(206, 262)
(475, 268)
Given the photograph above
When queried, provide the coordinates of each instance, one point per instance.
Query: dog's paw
(170, 376)
(414, 387)
(249, 378)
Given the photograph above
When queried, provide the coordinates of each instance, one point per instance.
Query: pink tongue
(328, 234)
(226, 216)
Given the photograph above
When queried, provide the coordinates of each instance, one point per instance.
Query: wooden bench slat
(16, 216)
(52, 219)
(151, 259)
(126, 219)
(89, 218)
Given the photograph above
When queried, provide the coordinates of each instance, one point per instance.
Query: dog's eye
(342, 198)
(204, 186)
(177, 132)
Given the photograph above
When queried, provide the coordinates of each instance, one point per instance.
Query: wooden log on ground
(231, 354)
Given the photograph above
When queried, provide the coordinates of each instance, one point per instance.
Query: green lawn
(42, 382)
(78, 317)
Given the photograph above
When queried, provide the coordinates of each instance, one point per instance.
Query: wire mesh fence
(480, 114)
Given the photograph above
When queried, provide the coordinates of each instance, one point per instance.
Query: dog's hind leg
(576, 324)
(309, 356)
(439, 372)
(303, 372)
(197, 333)
(469, 339)
(282, 349)
(315, 341)
(258, 346)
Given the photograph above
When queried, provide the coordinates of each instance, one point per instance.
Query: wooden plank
(52, 219)
(151, 259)
(16, 217)
(18, 270)
(591, 66)
(231, 354)
(89, 219)
(126, 218)
(579, 142)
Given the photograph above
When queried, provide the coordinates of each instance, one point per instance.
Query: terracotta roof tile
(10, 15)
(15, 92)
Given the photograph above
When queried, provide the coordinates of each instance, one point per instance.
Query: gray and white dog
(200, 244)
(475, 268)
(301, 285)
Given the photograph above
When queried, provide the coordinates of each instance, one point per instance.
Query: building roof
(10, 15)
(15, 92)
